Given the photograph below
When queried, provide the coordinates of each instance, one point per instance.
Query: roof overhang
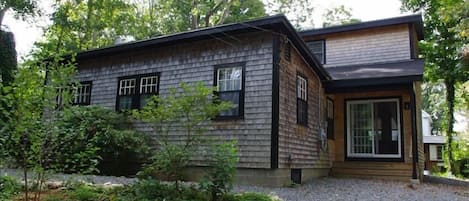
(347, 78)
(415, 20)
(275, 24)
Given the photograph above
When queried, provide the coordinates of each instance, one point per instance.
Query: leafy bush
(250, 196)
(96, 137)
(221, 173)
(87, 193)
(146, 190)
(8, 187)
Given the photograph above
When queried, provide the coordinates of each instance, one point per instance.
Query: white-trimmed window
(373, 128)
(229, 80)
(436, 152)
(301, 100)
(135, 90)
(82, 94)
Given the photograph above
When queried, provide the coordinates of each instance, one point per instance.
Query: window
(82, 94)
(318, 49)
(135, 90)
(436, 152)
(301, 100)
(373, 128)
(230, 87)
(330, 118)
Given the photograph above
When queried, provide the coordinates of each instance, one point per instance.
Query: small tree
(189, 108)
(30, 131)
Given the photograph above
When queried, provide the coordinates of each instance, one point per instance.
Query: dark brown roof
(379, 70)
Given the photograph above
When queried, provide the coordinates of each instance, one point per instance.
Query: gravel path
(358, 189)
(320, 189)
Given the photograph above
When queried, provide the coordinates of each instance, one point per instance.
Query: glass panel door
(361, 129)
(373, 128)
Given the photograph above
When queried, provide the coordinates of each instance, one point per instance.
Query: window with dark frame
(82, 94)
(302, 100)
(229, 80)
(317, 47)
(134, 91)
(439, 152)
(330, 118)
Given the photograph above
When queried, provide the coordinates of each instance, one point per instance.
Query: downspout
(413, 114)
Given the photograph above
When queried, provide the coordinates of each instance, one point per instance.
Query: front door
(373, 129)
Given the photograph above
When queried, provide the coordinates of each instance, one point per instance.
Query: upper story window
(135, 90)
(229, 80)
(318, 48)
(301, 100)
(82, 94)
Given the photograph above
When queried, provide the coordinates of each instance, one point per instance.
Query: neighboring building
(366, 91)
(433, 144)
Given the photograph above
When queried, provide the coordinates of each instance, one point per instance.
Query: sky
(26, 33)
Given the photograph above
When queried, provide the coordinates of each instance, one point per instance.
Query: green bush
(87, 193)
(250, 197)
(97, 137)
(8, 187)
(221, 173)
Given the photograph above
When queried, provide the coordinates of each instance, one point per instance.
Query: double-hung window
(301, 100)
(229, 80)
(82, 94)
(134, 91)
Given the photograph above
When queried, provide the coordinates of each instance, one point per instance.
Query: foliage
(298, 12)
(22, 8)
(89, 135)
(155, 190)
(87, 193)
(170, 16)
(250, 196)
(31, 115)
(190, 107)
(8, 187)
(222, 170)
(442, 51)
(338, 16)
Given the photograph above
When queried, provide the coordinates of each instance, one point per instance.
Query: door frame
(393, 158)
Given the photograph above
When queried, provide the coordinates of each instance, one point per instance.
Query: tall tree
(299, 12)
(22, 8)
(442, 51)
(338, 16)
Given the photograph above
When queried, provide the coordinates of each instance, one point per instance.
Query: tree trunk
(194, 18)
(450, 90)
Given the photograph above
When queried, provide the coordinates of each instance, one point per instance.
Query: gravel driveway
(358, 189)
(321, 189)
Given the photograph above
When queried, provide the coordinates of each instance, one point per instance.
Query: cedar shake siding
(377, 45)
(299, 145)
(192, 62)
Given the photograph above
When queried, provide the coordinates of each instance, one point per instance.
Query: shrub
(221, 173)
(251, 197)
(8, 187)
(87, 193)
(96, 137)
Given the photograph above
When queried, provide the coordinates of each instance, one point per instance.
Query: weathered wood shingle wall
(299, 146)
(191, 62)
(377, 45)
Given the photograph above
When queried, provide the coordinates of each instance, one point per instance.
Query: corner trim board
(275, 101)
